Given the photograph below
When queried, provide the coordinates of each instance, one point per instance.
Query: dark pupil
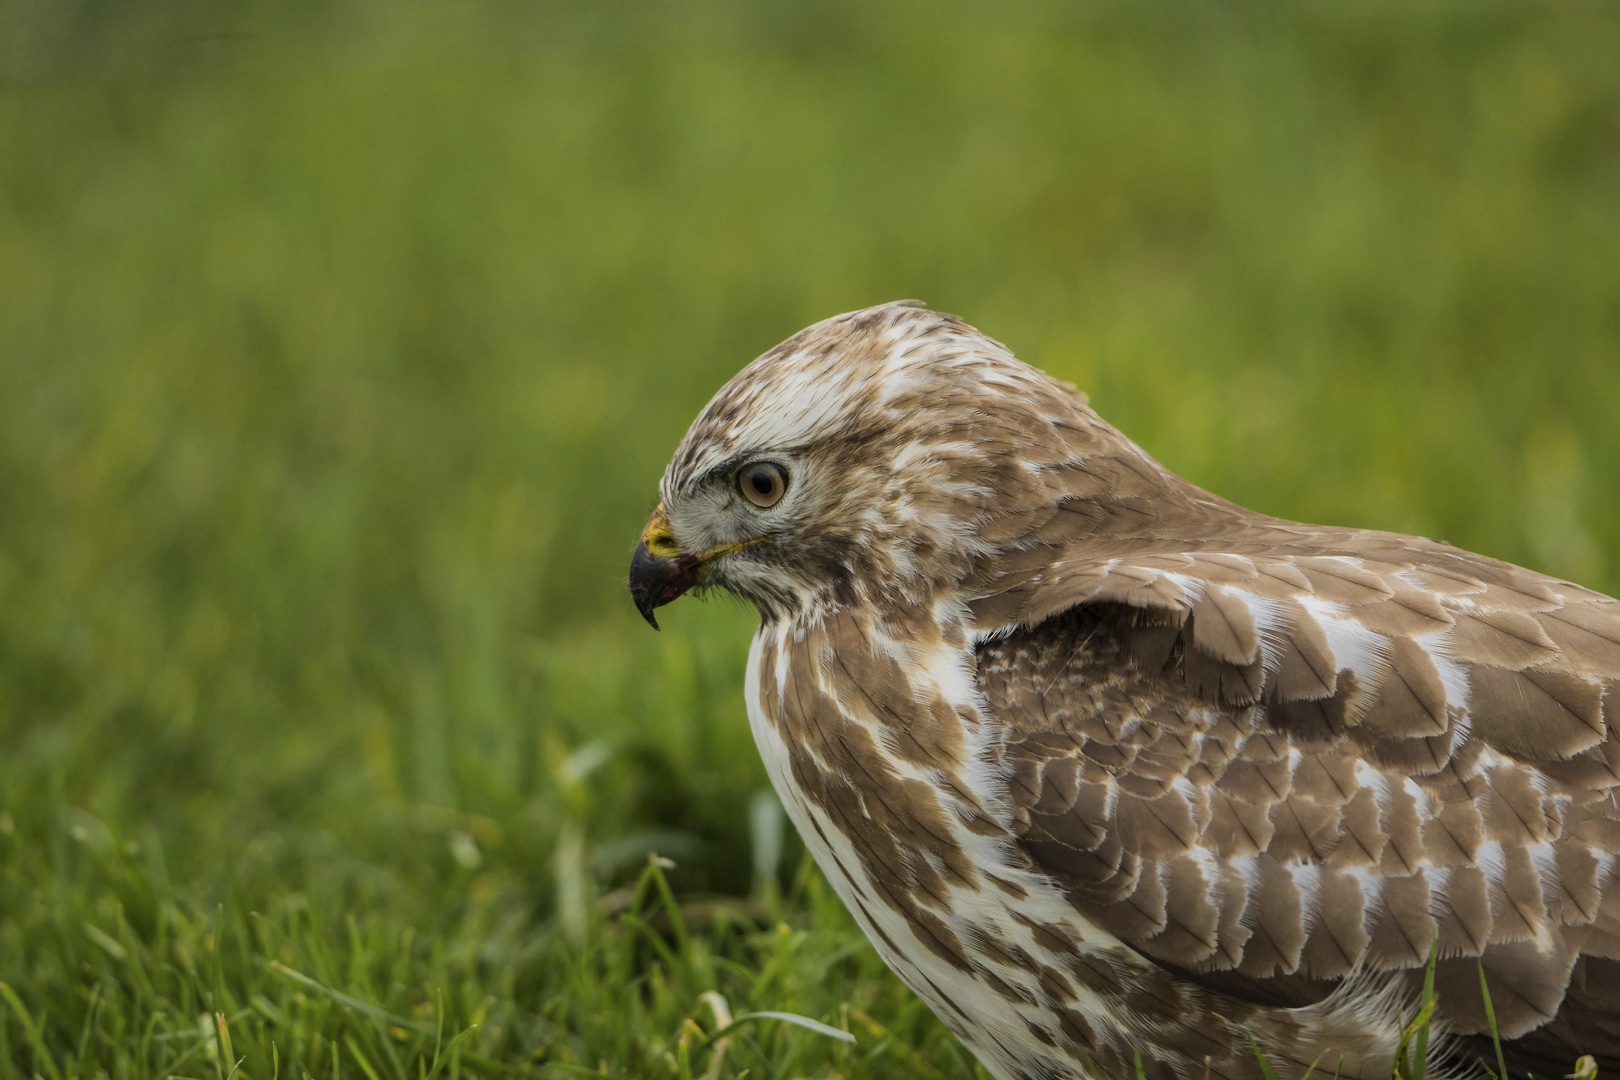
(763, 481)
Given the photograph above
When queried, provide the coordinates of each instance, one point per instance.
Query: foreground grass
(341, 347)
(149, 983)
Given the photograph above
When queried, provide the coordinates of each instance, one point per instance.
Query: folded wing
(1277, 756)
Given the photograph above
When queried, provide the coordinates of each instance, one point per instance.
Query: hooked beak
(660, 571)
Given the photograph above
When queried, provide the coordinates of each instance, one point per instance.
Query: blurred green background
(342, 346)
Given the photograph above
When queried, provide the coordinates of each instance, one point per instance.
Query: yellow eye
(762, 484)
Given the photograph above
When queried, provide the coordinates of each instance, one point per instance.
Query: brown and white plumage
(1103, 763)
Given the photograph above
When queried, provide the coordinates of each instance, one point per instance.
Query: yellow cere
(658, 537)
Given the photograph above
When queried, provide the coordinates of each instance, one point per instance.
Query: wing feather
(1275, 757)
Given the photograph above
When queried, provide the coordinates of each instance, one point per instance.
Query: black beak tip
(642, 596)
(650, 583)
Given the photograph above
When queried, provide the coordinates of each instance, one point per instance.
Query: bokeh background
(342, 346)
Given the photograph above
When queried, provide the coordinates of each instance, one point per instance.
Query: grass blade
(1490, 1018)
(1410, 1065)
(42, 1053)
(1426, 1010)
(787, 1018)
(364, 1007)
(1265, 1066)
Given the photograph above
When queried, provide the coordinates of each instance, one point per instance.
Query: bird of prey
(1105, 765)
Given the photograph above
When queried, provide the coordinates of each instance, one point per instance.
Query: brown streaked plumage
(1103, 763)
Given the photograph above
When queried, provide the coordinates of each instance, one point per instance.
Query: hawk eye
(762, 484)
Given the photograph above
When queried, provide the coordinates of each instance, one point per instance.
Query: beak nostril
(659, 537)
(661, 542)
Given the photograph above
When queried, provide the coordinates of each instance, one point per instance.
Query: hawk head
(884, 456)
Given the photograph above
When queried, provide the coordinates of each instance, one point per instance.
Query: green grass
(341, 347)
